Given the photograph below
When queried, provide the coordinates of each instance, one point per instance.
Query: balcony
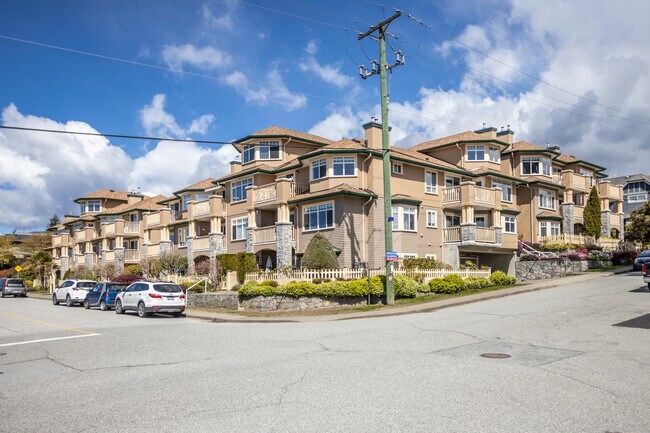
(176, 215)
(297, 189)
(201, 208)
(153, 219)
(62, 240)
(132, 228)
(268, 235)
(470, 234)
(265, 193)
(84, 235)
(609, 191)
(615, 219)
(201, 243)
(131, 256)
(486, 235)
(576, 181)
(451, 234)
(469, 194)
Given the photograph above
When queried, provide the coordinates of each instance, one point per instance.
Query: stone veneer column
(605, 228)
(89, 260)
(165, 247)
(249, 240)
(468, 232)
(190, 257)
(283, 232)
(216, 247)
(119, 258)
(568, 217)
(65, 265)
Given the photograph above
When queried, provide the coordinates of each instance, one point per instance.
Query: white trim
(354, 166)
(475, 149)
(435, 221)
(435, 182)
(504, 225)
(311, 169)
(401, 168)
(431, 256)
(311, 205)
(233, 231)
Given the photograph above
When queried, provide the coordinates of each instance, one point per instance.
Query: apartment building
(636, 192)
(469, 196)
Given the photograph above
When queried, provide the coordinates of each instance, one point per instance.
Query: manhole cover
(494, 355)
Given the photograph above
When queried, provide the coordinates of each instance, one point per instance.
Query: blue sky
(263, 68)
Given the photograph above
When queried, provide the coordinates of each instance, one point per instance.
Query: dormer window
(248, 153)
(269, 150)
(495, 154)
(318, 169)
(90, 206)
(535, 165)
(475, 153)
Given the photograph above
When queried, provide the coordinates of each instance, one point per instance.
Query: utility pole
(385, 144)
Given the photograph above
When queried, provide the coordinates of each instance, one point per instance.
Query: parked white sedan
(72, 292)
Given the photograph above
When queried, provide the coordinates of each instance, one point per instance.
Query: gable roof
(410, 155)
(525, 146)
(462, 136)
(105, 193)
(342, 189)
(198, 186)
(279, 132)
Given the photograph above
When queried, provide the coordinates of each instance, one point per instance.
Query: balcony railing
(201, 207)
(153, 219)
(132, 227)
(201, 243)
(264, 235)
(265, 193)
(131, 255)
(297, 188)
(484, 195)
(485, 234)
(451, 194)
(108, 229)
(176, 215)
(109, 256)
(452, 234)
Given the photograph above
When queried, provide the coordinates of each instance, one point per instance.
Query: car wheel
(54, 300)
(648, 286)
(118, 307)
(86, 304)
(68, 301)
(102, 306)
(141, 311)
(177, 314)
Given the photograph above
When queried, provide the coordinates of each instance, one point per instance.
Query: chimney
(490, 132)
(134, 197)
(373, 134)
(235, 166)
(506, 135)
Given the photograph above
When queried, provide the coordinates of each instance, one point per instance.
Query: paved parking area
(569, 370)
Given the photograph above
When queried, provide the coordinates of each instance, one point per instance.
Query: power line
(293, 15)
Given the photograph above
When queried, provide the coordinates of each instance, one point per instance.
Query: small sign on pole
(18, 268)
(391, 256)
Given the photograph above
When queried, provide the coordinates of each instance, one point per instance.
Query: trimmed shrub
(240, 262)
(468, 265)
(450, 284)
(133, 270)
(424, 263)
(127, 279)
(405, 287)
(28, 283)
(320, 254)
(499, 278)
(592, 214)
(271, 283)
(332, 289)
(473, 283)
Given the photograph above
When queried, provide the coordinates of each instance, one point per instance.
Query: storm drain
(642, 322)
(495, 355)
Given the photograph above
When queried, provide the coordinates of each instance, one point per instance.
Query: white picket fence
(351, 274)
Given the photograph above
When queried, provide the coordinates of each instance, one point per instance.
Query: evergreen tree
(54, 221)
(638, 228)
(320, 254)
(592, 215)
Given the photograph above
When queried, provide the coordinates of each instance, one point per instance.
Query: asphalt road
(570, 370)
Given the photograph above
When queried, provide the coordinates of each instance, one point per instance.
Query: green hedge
(499, 278)
(332, 289)
(240, 262)
(473, 283)
(424, 263)
(450, 284)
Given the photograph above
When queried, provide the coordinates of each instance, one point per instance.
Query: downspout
(284, 151)
(363, 230)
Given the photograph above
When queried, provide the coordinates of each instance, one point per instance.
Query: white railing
(297, 188)
(347, 274)
(265, 193)
(452, 234)
(109, 229)
(485, 195)
(451, 194)
(131, 255)
(264, 235)
(153, 219)
(485, 234)
(202, 207)
(131, 227)
(175, 215)
(201, 243)
(556, 178)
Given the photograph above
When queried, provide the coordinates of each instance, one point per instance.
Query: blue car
(103, 295)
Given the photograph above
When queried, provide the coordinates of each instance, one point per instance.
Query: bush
(320, 254)
(332, 289)
(423, 263)
(240, 262)
(575, 257)
(623, 257)
(133, 270)
(271, 283)
(324, 280)
(28, 283)
(127, 279)
(405, 287)
(468, 265)
(474, 283)
(499, 278)
(450, 284)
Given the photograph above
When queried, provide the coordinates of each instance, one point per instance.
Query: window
(579, 199)
(94, 206)
(239, 227)
(404, 218)
(407, 255)
(475, 153)
(343, 165)
(398, 168)
(634, 187)
(509, 224)
(546, 199)
(430, 182)
(479, 221)
(612, 206)
(201, 196)
(543, 229)
(555, 229)
(530, 165)
(495, 154)
(249, 153)
(452, 220)
(318, 169)
(186, 200)
(636, 198)
(546, 167)
(269, 150)
(320, 216)
(506, 190)
(182, 236)
(134, 218)
(238, 190)
(432, 218)
(451, 181)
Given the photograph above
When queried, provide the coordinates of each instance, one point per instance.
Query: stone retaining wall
(600, 263)
(289, 303)
(220, 300)
(545, 269)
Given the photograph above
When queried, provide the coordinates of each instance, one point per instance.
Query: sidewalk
(398, 310)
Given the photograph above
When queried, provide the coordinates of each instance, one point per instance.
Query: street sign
(391, 256)
(18, 268)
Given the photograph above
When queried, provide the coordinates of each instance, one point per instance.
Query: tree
(54, 221)
(42, 261)
(150, 267)
(320, 254)
(592, 215)
(172, 264)
(638, 227)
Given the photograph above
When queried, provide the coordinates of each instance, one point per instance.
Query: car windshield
(645, 253)
(167, 288)
(85, 284)
(119, 287)
(14, 282)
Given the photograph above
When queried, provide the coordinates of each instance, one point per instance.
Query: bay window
(404, 218)
(238, 190)
(509, 224)
(495, 154)
(535, 165)
(506, 190)
(546, 199)
(318, 169)
(319, 216)
(248, 153)
(343, 165)
(475, 153)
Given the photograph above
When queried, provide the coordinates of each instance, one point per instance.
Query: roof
(343, 144)
(105, 193)
(198, 186)
(462, 136)
(524, 146)
(414, 156)
(570, 159)
(343, 188)
(623, 180)
(405, 198)
(146, 204)
(548, 216)
(278, 132)
(262, 167)
(69, 220)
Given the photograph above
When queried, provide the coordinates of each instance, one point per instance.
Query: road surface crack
(566, 376)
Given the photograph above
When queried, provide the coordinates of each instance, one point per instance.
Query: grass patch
(608, 268)
(366, 307)
(429, 297)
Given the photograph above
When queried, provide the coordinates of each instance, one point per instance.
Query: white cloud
(42, 173)
(342, 123)
(329, 73)
(208, 58)
(156, 121)
(311, 48)
(272, 91)
(223, 21)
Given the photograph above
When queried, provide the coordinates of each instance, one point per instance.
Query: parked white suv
(147, 297)
(72, 292)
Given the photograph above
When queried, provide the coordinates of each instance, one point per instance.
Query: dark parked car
(642, 258)
(103, 295)
(13, 286)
